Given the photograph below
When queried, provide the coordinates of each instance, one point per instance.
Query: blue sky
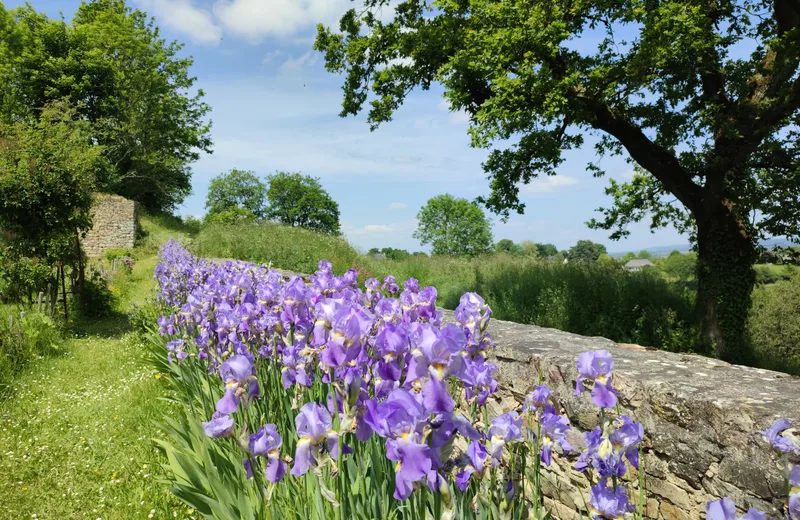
(274, 107)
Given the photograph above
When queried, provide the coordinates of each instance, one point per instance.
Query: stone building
(115, 221)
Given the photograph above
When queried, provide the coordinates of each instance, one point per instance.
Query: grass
(75, 433)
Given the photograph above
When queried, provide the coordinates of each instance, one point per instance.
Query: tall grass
(286, 247)
(24, 337)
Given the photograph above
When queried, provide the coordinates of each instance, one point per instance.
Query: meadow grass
(76, 429)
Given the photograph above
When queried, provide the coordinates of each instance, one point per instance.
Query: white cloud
(457, 117)
(294, 65)
(548, 184)
(258, 19)
(398, 205)
(270, 56)
(378, 228)
(184, 17)
(625, 176)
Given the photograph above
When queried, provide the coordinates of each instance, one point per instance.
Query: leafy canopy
(454, 227)
(586, 251)
(300, 200)
(130, 84)
(703, 96)
(237, 193)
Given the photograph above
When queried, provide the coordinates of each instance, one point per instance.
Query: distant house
(638, 264)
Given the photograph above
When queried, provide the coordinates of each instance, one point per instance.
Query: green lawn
(75, 433)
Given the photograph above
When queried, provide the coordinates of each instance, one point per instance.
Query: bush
(96, 300)
(23, 339)
(286, 247)
(114, 254)
(774, 325)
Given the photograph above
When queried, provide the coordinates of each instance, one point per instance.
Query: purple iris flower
(479, 378)
(537, 399)
(325, 311)
(554, 431)
(778, 441)
(503, 430)
(314, 427)
(412, 285)
(293, 370)
(476, 457)
(390, 285)
(220, 425)
(473, 314)
(267, 443)
(391, 344)
(607, 503)
(725, 509)
(436, 351)
(598, 366)
(346, 342)
(794, 493)
(239, 376)
(413, 458)
(626, 437)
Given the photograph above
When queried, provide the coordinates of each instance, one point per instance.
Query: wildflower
(597, 366)
(607, 503)
(314, 427)
(606, 447)
(725, 509)
(267, 443)
(537, 399)
(479, 378)
(554, 431)
(390, 285)
(774, 436)
(346, 343)
(220, 425)
(794, 493)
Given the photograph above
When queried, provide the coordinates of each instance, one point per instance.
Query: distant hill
(660, 251)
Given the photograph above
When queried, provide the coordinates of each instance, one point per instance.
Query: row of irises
(377, 364)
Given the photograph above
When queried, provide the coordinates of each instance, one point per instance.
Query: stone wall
(114, 223)
(700, 415)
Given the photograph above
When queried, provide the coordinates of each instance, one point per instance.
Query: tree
(712, 131)
(585, 251)
(238, 194)
(628, 257)
(46, 183)
(546, 250)
(300, 200)
(680, 267)
(644, 254)
(509, 247)
(607, 261)
(454, 227)
(122, 77)
(529, 248)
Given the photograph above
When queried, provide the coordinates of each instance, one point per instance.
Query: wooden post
(39, 307)
(64, 289)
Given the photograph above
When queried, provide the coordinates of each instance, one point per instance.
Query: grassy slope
(74, 437)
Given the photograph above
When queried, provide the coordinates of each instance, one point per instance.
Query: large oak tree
(702, 95)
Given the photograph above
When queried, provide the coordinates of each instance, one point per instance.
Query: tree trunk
(726, 254)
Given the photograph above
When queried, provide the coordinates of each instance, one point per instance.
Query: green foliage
(679, 267)
(546, 250)
(22, 340)
(128, 84)
(236, 195)
(454, 227)
(605, 260)
(286, 247)
(157, 228)
(300, 200)
(586, 251)
(774, 326)
(22, 277)
(592, 299)
(96, 300)
(230, 216)
(46, 183)
(390, 253)
(644, 254)
(115, 253)
(509, 247)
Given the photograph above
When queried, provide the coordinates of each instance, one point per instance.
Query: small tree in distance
(300, 200)
(235, 196)
(586, 251)
(454, 227)
(509, 247)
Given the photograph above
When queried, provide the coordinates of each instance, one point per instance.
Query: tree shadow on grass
(113, 326)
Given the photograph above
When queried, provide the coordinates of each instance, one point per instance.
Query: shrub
(774, 325)
(96, 300)
(286, 247)
(23, 338)
(114, 254)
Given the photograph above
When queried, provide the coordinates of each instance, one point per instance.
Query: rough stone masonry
(115, 220)
(701, 417)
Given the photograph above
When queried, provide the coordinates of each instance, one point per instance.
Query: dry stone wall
(114, 223)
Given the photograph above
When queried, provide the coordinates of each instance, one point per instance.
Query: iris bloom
(503, 430)
(606, 449)
(346, 342)
(479, 379)
(778, 441)
(267, 443)
(239, 376)
(537, 399)
(314, 427)
(476, 457)
(607, 503)
(597, 366)
(794, 493)
(725, 509)
(554, 431)
(220, 425)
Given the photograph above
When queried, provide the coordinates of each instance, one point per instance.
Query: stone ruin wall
(701, 417)
(115, 221)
